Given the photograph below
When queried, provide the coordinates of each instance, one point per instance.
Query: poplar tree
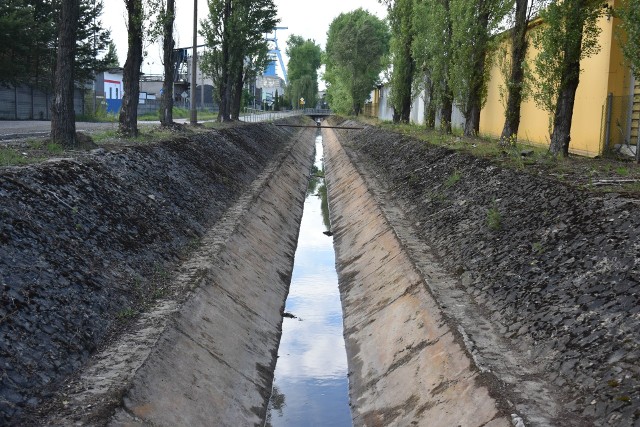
(629, 12)
(432, 49)
(473, 22)
(131, 75)
(305, 59)
(237, 49)
(516, 79)
(167, 18)
(400, 15)
(357, 44)
(569, 33)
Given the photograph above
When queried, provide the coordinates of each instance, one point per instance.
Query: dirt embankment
(557, 269)
(87, 243)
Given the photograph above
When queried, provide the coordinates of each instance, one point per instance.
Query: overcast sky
(309, 19)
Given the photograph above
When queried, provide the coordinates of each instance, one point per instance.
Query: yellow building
(602, 74)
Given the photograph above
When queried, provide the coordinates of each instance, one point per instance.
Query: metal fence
(29, 103)
(253, 115)
(618, 126)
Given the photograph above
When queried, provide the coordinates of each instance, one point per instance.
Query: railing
(317, 112)
(253, 115)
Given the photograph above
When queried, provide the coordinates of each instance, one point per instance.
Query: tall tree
(16, 44)
(111, 59)
(630, 14)
(516, 80)
(473, 23)
(569, 34)
(131, 75)
(630, 28)
(305, 59)
(433, 49)
(402, 60)
(29, 57)
(357, 44)
(63, 121)
(167, 18)
(234, 33)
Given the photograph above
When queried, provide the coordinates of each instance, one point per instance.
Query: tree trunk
(429, 106)
(561, 135)
(237, 95)
(131, 75)
(518, 53)
(225, 80)
(63, 121)
(405, 107)
(472, 121)
(474, 103)
(446, 110)
(166, 101)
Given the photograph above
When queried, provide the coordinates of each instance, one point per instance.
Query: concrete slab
(407, 367)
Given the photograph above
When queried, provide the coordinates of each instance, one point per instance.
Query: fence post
(638, 146)
(607, 128)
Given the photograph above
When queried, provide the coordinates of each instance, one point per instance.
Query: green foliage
(357, 43)
(432, 48)
(569, 33)
(28, 41)
(111, 60)
(630, 27)
(305, 58)
(494, 218)
(236, 48)
(472, 25)
(452, 179)
(402, 38)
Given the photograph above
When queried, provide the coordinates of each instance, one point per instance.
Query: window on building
(110, 93)
(117, 97)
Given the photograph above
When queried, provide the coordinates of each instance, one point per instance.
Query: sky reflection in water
(311, 385)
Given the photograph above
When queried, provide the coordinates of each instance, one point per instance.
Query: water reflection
(311, 386)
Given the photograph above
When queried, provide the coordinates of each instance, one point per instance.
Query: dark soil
(88, 242)
(557, 266)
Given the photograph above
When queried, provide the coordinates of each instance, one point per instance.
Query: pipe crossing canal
(210, 359)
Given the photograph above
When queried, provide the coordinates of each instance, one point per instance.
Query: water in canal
(311, 386)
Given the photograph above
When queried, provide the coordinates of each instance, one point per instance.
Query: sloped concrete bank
(86, 243)
(546, 301)
(406, 366)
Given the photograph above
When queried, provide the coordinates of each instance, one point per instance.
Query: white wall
(385, 111)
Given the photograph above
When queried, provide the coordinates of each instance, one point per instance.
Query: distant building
(109, 88)
(267, 86)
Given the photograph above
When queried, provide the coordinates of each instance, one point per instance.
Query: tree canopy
(305, 58)
(630, 14)
(568, 35)
(357, 44)
(403, 35)
(237, 50)
(28, 41)
(432, 50)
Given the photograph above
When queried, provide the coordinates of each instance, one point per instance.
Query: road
(15, 129)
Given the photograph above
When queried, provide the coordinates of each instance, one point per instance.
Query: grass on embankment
(606, 174)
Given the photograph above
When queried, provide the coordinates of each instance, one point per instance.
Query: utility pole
(194, 112)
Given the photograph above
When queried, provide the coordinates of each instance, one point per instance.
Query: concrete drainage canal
(275, 329)
(310, 384)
